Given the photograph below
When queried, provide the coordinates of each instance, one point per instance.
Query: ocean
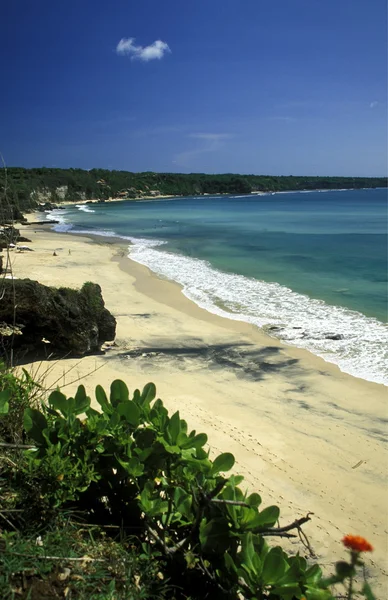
(308, 267)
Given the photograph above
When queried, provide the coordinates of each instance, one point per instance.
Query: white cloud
(156, 50)
(373, 104)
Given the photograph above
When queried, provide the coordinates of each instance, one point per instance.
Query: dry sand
(305, 435)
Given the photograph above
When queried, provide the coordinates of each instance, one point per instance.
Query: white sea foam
(59, 215)
(302, 321)
(84, 208)
(362, 350)
(64, 226)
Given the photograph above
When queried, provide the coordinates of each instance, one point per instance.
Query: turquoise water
(313, 264)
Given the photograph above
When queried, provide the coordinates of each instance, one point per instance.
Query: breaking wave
(357, 344)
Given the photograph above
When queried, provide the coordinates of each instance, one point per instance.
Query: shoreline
(240, 323)
(314, 336)
(65, 203)
(297, 425)
(219, 311)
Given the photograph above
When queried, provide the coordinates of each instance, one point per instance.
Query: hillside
(26, 187)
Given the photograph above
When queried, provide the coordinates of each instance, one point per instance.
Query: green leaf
(223, 462)
(214, 536)
(82, 401)
(102, 400)
(5, 396)
(135, 467)
(34, 423)
(148, 394)
(248, 552)
(249, 577)
(130, 412)
(132, 466)
(229, 563)
(296, 572)
(197, 441)
(182, 501)
(174, 427)
(313, 574)
(145, 500)
(159, 507)
(114, 420)
(118, 392)
(288, 591)
(191, 560)
(52, 412)
(202, 454)
(254, 500)
(275, 566)
(327, 581)
(170, 449)
(181, 439)
(367, 591)
(235, 480)
(248, 518)
(231, 492)
(60, 402)
(267, 517)
(317, 594)
(158, 415)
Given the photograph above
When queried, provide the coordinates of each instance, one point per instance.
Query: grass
(73, 562)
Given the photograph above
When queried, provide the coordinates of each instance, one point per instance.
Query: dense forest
(25, 188)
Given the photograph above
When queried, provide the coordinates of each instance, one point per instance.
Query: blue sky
(251, 86)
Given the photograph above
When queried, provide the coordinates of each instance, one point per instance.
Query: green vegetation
(25, 187)
(22, 392)
(125, 503)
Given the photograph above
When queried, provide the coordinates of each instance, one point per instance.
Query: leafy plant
(17, 392)
(133, 466)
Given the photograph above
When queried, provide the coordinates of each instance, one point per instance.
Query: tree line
(24, 188)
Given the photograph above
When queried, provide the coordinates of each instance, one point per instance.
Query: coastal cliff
(63, 320)
(25, 189)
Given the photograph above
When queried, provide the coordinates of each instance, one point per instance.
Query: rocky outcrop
(10, 213)
(42, 195)
(45, 194)
(73, 322)
(49, 196)
(10, 235)
(46, 206)
(61, 191)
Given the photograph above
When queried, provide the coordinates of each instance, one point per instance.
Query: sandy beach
(306, 436)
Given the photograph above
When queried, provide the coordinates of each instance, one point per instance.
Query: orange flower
(357, 543)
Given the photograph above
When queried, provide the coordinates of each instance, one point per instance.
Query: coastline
(297, 425)
(65, 203)
(68, 203)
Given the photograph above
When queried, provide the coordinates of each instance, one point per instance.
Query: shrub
(132, 465)
(16, 394)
